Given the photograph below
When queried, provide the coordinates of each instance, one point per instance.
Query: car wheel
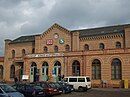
(80, 89)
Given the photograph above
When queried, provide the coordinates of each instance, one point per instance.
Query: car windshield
(51, 85)
(7, 88)
(58, 85)
(37, 87)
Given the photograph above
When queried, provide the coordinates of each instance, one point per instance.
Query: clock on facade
(62, 41)
(56, 35)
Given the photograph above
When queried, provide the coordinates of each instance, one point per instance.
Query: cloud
(25, 17)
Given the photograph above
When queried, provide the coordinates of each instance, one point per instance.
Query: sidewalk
(111, 89)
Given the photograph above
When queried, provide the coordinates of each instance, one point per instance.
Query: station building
(102, 53)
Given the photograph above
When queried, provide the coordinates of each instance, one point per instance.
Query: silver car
(8, 91)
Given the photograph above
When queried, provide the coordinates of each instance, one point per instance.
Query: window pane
(116, 69)
(81, 79)
(72, 79)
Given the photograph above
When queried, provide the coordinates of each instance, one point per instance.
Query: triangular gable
(52, 27)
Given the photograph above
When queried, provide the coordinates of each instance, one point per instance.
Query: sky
(30, 17)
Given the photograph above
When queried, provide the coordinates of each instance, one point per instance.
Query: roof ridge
(110, 26)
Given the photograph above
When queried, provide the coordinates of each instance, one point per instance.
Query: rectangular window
(72, 79)
(88, 79)
(66, 79)
(81, 79)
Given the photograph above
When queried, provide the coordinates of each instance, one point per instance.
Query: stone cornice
(102, 37)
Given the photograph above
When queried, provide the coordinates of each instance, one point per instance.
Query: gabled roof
(23, 39)
(54, 26)
(102, 30)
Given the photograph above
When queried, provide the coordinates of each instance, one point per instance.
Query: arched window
(45, 68)
(34, 72)
(96, 69)
(1, 72)
(67, 48)
(13, 53)
(45, 71)
(86, 47)
(12, 71)
(33, 50)
(56, 48)
(23, 52)
(45, 49)
(57, 68)
(101, 46)
(116, 69)
(118, 45)
(76, 68)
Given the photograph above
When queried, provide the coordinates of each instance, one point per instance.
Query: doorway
(33, 72)
(45, 68)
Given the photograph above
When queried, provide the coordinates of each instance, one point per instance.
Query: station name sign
(45, 55)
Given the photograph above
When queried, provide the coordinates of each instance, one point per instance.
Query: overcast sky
(27, 17)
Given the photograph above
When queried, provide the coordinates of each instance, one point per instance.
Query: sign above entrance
(25, 77)
(45, 55)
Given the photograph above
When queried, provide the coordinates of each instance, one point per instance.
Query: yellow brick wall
(110, 43)
(41, 42)
(77, 46)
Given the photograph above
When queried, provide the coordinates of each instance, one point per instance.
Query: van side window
(72, 79)
(66, 79)
(81, 79)
(88, 79)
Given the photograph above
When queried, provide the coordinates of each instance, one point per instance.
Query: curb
(111, 89)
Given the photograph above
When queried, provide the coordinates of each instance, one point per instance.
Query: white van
(79, 83)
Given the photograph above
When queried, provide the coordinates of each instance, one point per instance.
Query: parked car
(30, 90)
(59, 87)
(8, 91)
(48, 87)
(67, 88)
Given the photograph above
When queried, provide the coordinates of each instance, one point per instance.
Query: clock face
(56, 35)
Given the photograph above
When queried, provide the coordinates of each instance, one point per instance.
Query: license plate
(55, 89)
(60, 91)
(40, 93)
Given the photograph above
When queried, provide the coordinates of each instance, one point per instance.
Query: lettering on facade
(45, 55)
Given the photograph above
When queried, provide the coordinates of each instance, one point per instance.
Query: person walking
(15, 79)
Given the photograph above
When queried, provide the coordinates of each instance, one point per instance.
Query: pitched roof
(24, 39)
(108, 30)
(102, 30)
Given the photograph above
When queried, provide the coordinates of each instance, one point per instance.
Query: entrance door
(33, 72)
(57, 68)
(76, 68)
(21, 72)
(45, 71)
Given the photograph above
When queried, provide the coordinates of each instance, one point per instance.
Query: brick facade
(76, 42)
